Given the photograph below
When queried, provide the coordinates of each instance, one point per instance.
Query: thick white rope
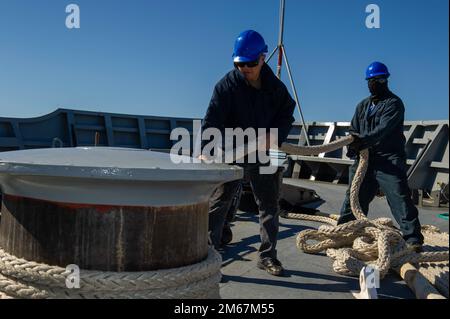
(362, 242)
(20, 278)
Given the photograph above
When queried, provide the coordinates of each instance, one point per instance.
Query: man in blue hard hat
(378, 126)
(251, 96)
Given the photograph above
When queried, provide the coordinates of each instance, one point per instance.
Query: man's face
(376, 85)
(251, 71)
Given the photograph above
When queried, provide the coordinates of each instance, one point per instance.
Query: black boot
(227, 235)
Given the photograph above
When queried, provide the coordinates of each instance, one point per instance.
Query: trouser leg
(231, 214)
(393, 182)
(227, 234)
(367, 192)
(219, 205)
(266, 189)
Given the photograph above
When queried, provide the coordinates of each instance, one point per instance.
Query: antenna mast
(282, 55)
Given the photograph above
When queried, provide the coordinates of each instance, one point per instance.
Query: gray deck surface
(307, 276)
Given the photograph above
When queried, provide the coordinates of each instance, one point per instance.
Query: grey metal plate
(110, 176)
(112, 163)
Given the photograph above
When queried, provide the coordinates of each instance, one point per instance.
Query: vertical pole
(281, 55)
(97, 139)
(280, 61)
(280, 38)
(305, 128)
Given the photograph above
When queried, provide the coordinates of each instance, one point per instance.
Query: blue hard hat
(377, 69)
(248, 46)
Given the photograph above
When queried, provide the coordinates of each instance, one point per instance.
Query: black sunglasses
(250, 64)
(379, 80)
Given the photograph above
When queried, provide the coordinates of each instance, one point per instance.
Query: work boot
(271, 265)
(227, 235)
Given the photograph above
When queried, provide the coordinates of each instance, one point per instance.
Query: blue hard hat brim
(377, 74)
(245, 58)
(249, 58)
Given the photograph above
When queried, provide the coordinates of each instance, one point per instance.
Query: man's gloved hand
(351, 153)
(354, 147)
(357, 144)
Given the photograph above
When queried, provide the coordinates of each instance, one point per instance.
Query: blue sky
(164, 57)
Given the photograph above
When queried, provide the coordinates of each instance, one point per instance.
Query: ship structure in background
(427, 144)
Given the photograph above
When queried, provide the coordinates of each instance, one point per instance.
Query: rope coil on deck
(20, 278)
(362, 242)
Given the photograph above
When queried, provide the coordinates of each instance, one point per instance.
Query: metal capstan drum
(111, 209)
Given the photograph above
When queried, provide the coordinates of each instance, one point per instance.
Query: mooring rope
(20, 278)
(363, 242)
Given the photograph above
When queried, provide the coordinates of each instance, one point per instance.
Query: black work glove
(354, 147)
(351, 153)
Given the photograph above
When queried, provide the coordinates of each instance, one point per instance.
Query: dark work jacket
(236, 104)
(382, 132)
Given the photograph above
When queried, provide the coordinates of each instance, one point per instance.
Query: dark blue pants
(266, 189)
(390, 177)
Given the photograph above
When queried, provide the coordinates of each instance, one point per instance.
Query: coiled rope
(363, 242)
(20, 278)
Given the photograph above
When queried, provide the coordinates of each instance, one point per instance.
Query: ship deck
(306, 276)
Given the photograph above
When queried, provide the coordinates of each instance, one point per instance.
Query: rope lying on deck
(330, 219)
(20, 278)
(362, 242)
(436, 273)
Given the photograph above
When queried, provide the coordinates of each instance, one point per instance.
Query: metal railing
(427, 145)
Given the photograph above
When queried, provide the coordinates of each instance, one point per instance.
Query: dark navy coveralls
(236, 104)
(381, 130)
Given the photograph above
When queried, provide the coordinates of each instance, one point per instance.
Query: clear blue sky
(156, 57)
